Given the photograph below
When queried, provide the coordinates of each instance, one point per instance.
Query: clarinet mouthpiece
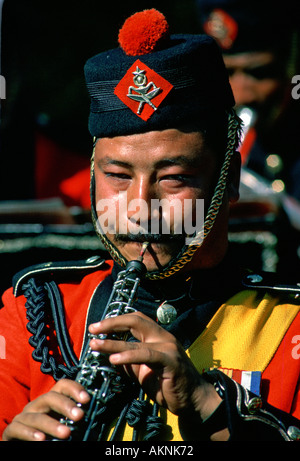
(143, 251)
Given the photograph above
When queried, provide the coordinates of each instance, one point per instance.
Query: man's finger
(140, 326)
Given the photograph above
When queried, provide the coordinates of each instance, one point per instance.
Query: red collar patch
(142, 90)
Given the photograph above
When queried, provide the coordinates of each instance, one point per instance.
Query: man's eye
(117, 175)
(176, 177)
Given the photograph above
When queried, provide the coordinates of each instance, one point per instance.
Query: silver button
(48, 264)
(254, 405)
(293, 433)
(92, 259)
(254, 278)
(166, 313)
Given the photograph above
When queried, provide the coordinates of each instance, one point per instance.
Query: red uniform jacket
(21, 379)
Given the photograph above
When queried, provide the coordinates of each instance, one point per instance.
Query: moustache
(151, 238)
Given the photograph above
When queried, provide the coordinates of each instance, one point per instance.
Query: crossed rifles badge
(142, 90)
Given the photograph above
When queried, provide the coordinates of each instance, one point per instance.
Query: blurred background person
(260, 45)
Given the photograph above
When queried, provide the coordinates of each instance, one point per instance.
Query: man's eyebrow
(177, 161)
(160, 164)
(113, 161)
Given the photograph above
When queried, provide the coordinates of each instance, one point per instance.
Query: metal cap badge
(142, 90)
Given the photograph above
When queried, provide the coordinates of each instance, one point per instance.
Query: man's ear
(234, 175)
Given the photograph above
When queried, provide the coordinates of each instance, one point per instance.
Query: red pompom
(143, 32)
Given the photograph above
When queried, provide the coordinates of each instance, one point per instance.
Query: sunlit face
(252, 77)
(142, 168)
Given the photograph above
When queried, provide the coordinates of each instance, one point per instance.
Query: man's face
(134, 172)
(252, 76)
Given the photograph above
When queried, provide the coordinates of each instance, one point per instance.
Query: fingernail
(95, 326)
(38, 436)
(84, 395)
(76, 412)
(115, 358)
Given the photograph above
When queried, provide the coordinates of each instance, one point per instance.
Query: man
(174, 145)
(259, 43)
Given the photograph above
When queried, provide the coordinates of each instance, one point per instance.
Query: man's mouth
(151, 238)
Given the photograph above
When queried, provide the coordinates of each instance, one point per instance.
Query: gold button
(293, 433)
(254, 405)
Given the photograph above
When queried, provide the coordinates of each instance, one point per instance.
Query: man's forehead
(249, 59)
(172, 133)
(171, 144)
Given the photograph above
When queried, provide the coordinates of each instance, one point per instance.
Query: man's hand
(158, 362)
(40, 418)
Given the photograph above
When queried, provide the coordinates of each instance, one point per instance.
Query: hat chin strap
(187, 252)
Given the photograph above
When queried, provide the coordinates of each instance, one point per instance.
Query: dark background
(44, 47)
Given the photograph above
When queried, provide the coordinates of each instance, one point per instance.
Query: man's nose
(140, 197)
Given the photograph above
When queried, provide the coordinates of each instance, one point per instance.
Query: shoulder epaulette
(270, 281)
(65, 269)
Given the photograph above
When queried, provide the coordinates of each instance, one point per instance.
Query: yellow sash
(244, 334)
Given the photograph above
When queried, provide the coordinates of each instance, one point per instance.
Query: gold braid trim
(116, 255)
(188, 251)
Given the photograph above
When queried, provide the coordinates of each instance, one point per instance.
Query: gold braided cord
(116, 255)
(188, 251)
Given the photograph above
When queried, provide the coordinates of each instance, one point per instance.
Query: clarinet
(97, 375)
